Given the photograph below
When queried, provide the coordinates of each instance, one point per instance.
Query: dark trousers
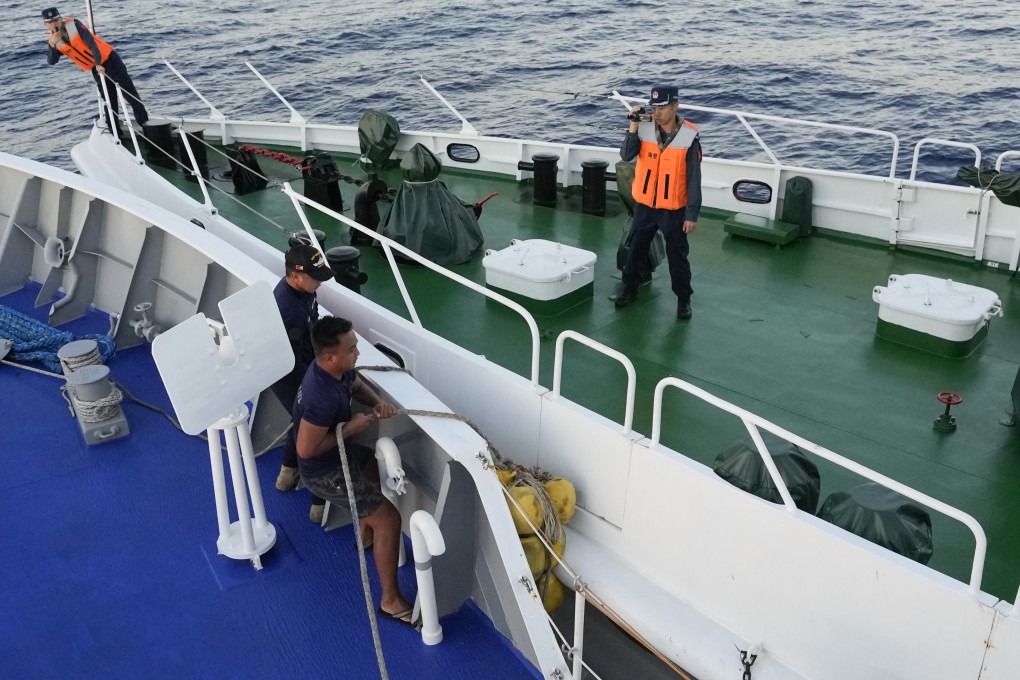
(646, 222)
(286, 391)
(117, 72)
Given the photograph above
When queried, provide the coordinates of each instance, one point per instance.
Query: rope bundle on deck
(35, 341)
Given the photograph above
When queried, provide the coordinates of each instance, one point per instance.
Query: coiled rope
(70, 364)
(34, 341)
(93, 411)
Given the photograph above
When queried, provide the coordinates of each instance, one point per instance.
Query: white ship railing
(389, 245)
(744, 118)
(628, 417)
(753, 422)
(932, 141)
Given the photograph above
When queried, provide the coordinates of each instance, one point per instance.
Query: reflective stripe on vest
(77, 51)
(660, 177)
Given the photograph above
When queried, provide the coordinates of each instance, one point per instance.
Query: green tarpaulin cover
(427, 217)
(1005, 185)
(742, 466)
(882, 516)
(378, 133)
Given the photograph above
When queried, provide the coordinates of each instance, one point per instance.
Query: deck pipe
(426, 542)
(391, 478)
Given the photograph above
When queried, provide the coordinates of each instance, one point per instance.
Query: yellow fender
(525, 497)
(563, 496)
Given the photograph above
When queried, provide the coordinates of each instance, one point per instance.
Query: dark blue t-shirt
(324, 401)
(299, 311)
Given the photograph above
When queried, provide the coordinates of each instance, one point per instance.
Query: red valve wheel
(949, 398)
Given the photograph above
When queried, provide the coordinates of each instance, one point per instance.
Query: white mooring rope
(361, 554)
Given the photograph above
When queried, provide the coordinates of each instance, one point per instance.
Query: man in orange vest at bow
(667, 191)
(70, 37)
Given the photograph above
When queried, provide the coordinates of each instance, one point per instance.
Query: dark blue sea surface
(541, 70)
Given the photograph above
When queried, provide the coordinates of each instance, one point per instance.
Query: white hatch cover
(538, 268)
(940, 307)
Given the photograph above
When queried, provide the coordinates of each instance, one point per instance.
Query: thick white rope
(99, 410)
(361, 553)
(72, 364)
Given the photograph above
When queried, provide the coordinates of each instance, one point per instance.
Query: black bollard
(343, 260)
(158, 142)
(593, 187)
(196, 140)
(545, 178)
(299, 238)
(366, 210)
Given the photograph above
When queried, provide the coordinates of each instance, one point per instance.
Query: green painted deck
(788, 334)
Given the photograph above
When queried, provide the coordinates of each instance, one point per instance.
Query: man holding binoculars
(667, 191)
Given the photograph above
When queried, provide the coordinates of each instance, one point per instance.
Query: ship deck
(110, 566)
(788, 334)
(109, 551)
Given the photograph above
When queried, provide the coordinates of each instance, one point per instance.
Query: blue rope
(35, 341)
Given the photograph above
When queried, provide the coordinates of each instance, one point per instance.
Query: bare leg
(385, 526)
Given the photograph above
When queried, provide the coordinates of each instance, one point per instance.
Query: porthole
(462, 153)
(752, 191)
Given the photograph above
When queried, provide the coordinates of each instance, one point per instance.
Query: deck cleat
(946, 422)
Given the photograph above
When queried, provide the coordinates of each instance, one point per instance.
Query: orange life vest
(660, 177)
(77, 51)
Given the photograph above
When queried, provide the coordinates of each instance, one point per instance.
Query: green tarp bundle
(378, 133)
(1005, 185)
(427, 217)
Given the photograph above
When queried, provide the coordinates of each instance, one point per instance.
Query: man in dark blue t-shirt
(295, 297)
(324, 404)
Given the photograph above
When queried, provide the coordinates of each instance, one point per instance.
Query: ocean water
(542, 70)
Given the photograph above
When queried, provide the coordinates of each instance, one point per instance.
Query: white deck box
(941, 308)
(538, 269)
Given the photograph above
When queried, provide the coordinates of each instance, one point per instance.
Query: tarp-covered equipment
(1005, 185)
(882, 516)
(742, 466)
(378, 133)
(427, 217)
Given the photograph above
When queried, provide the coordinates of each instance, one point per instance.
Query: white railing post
(466, 127)
(628, 416)
(198, 172)
(295, 117)
(943, 142)
(578, 649)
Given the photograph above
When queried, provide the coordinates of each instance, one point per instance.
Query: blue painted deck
(109, 566)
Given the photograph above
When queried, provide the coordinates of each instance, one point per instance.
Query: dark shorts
(332, 487)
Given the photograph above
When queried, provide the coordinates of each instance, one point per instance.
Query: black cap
(50, 14)
(308, 260)
(663, 95)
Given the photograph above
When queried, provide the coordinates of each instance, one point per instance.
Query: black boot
(628, 296)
